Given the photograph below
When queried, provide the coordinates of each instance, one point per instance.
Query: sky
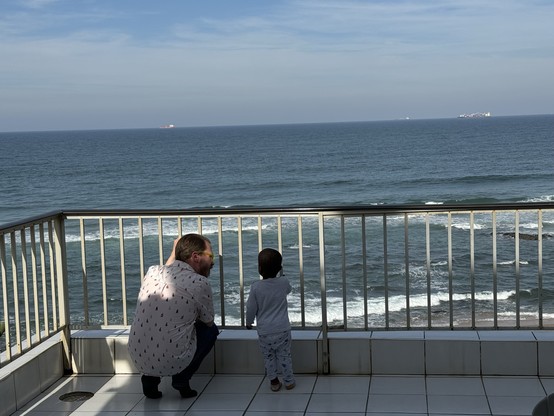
(103, 64)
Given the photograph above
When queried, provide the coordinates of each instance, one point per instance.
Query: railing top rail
(27, 222)
(314, 210)
(326, 210)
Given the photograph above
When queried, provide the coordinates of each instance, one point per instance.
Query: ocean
(481, 160)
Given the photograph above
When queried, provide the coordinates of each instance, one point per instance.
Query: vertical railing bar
(240, 256)
(53, 282)
(364, 272)
(428, 267)
(84, 270)
(494, 271)
(34, 266)
(103, 268)
(242, 300)
(25, 278)
(323, 288)
(386, 271)
(260, 247)
(179, 226)
(301, 271)
(539, 268)
(407, 267)
(141, 247)
(280, 234)
(63, 291)
(518, 300)
(161, 241)
(260, 237)
(123, 275)
(450, 274)
(199, 224)
(472, 265)
(15, 293)
(44, 282)
(343, 273)
(222, 271)
(7, 335)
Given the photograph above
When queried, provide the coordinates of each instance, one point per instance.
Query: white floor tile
(277, 402)
(84, 383)
(462, 386)
(108, 402)
(397, 403)
(397, 414)
(212, 413)
(333, 414)
(548, 384)
(222, 383)
(513, 405)
(150, 413)
(513, 386)
(457, 414)
(342, 384)
(470, 405)
(337, 402)
(221, 401)
(47, 413)
(171, 401)
(397, 385)
(270, 413)
(122, 383)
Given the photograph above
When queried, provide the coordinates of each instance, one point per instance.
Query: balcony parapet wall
(491, 353)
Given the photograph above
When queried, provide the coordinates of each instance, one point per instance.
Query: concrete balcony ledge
(27, 376)
(493, 353)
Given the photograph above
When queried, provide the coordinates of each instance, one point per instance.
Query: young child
(267, 303)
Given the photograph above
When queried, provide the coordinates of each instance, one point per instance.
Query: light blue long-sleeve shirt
(267, 303)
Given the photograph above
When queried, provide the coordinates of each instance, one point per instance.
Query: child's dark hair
(269, 263)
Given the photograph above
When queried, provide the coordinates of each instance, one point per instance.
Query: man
(174, 328)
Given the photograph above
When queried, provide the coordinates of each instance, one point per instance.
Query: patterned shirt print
(162, 339)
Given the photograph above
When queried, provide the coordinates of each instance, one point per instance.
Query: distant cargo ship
(475, 115)
(167, 126)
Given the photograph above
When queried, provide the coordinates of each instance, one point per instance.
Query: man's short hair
(270, 262)
(189, 244)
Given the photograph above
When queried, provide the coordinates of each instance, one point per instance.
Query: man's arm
(171, 257)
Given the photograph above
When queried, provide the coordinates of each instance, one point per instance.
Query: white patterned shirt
(162, 339)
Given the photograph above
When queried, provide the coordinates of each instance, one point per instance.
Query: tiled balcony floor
(230, 395)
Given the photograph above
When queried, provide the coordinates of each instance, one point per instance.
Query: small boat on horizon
(167, 126)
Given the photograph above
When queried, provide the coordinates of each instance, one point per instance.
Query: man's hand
(171, 258)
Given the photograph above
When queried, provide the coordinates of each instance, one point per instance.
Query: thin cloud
(276, 61)
(36, 4)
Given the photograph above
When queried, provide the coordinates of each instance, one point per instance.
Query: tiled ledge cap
(225, 334)
(469, 335)
(29, 355)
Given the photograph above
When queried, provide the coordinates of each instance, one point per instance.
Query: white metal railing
(35, 301)
(352, 268)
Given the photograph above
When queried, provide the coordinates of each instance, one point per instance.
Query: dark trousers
(205, 340)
